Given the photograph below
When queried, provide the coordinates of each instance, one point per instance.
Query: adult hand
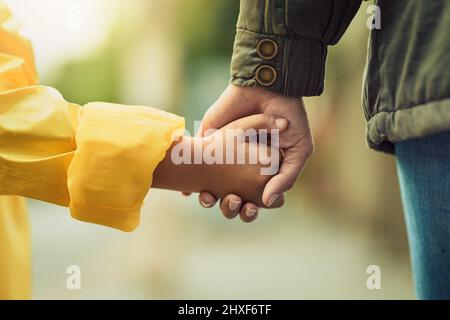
(296, 142)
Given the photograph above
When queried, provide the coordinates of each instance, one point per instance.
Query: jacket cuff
(118, 149)
(290, 65)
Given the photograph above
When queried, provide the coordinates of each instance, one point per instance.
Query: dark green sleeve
(282, 44)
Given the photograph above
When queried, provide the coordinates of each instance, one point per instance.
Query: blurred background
(343, 215)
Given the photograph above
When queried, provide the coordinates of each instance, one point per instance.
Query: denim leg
(424, 173)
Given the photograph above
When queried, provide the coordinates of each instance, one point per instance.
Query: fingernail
(273, 198)
(281, 123)
(233, 205)
(250, 212)
(206, 204)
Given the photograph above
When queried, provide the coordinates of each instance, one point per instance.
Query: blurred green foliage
(96, 78)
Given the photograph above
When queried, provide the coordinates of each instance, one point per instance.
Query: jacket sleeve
(282, 45)
(97, 159)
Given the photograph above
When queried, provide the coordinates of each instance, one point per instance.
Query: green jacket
(282, 45)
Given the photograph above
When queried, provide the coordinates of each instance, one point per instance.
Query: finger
(229, 107)
(207, 200)
(259, 121)
(230, 206)
(291, 166)
(249, 212)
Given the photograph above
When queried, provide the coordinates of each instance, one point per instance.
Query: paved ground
(182, 251)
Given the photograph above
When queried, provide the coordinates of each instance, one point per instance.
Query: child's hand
(223, 164)
(258, 160)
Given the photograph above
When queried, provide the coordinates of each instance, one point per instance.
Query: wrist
(189, 175)
(168, 174)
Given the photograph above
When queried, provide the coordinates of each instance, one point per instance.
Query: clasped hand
(295, 143)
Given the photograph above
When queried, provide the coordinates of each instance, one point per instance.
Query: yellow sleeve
(97, 159)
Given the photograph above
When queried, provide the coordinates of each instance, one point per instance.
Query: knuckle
(270, 120)
(206, 124)
(309, 149)
(290, 184)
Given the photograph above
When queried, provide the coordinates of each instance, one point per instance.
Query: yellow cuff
(118, 149)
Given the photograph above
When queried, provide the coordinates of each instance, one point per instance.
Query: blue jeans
(424, 173)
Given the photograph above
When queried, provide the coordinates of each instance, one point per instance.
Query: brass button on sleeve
(266, 75)
(267, 49)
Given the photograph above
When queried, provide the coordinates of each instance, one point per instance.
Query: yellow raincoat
(97, 159)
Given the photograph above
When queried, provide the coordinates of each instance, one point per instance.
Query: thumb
(293, 162)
